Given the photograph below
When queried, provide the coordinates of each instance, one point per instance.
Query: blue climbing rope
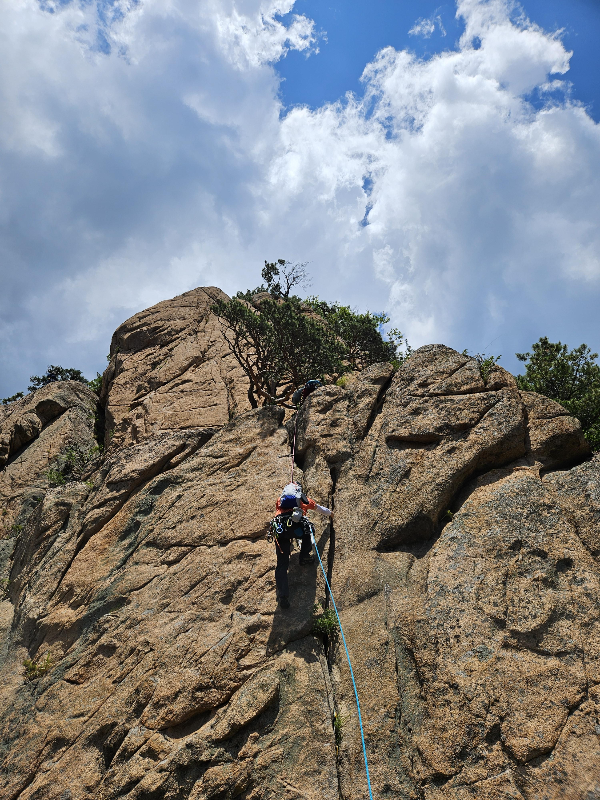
(362, 736)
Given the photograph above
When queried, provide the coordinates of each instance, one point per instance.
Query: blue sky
(353, 32)
(151, 146)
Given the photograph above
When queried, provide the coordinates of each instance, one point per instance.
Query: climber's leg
(305, 545)
(282, 548)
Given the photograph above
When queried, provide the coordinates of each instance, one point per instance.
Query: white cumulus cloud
(143, 152)
(482, 208)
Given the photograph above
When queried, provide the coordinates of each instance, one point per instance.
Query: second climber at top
(290, 523)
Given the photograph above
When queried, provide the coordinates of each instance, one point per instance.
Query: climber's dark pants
(282, 548)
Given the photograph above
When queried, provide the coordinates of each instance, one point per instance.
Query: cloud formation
(481, 207)
(426, 27)
(143, 152)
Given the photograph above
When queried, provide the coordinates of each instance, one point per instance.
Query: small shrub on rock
(324, 623)
(34, 670)
(6, 400)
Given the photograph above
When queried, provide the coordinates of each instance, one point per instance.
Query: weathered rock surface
(463, 558)
(440, 425)
(34, 431)
(475, 642)
(170, 369)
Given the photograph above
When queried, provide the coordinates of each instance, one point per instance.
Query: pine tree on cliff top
(572, 378)
(281, 341)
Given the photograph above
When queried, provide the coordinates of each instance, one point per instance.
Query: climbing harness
(362, 736)
(283, 522)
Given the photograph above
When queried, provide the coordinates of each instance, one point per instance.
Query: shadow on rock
(295, 622)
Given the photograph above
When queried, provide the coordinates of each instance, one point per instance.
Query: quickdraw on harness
(285, 524)
(275, 530)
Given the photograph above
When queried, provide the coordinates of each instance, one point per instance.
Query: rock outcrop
(170, 369)
(463, 558)
(34, 432)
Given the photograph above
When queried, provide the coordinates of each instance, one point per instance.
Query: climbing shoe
(307, 560)
(284, 602)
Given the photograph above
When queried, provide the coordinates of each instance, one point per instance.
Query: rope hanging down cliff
(299, 396)
(362, 735)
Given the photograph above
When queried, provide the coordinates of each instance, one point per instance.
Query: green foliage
(324, 622)
(338, 727)
(403, 349)
(278, 346)
(571, 377)
(72, 464)
(96, 383)
(16, 528)
(486, 365)
(56, 373)
(35, 670)
(281, 341)
(55, 477)
(360, 333)
(6, 400)
(53, 374)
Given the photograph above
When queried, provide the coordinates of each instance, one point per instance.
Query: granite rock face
(34, 432)
(463, 558)
(170, 369)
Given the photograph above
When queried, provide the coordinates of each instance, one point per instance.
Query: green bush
(338, 727)
(72, 464)
(34, 670)
(486, 363)
(571, 377)
(5, 401)
(55, 373)
(55, 477)
(96, 383)
(325, 623)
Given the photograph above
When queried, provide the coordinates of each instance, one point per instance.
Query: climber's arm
(312, 506)
(322, 510)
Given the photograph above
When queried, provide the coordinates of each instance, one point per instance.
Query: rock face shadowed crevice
(145, 593)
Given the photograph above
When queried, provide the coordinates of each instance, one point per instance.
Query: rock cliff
(140, 593)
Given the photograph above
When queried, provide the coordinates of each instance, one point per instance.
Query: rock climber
(289, 523)
(302, 393)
